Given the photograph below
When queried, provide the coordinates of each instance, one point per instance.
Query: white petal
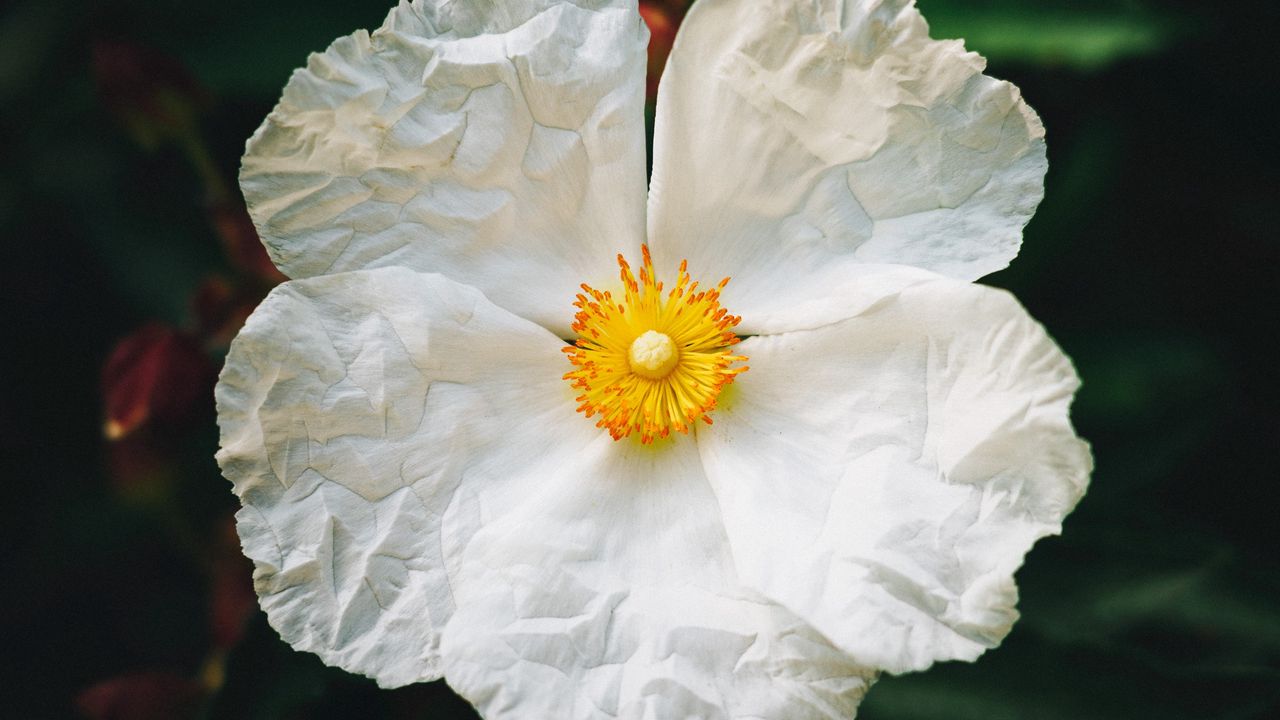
(798, 139)
(611, 594)
(501, 144)
(883, 477)
(358, 411)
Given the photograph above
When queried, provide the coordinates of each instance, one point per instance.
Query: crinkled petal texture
(798, 138)
(612, 594)
(362, 414)
(496, 143)
(882, 477)
(420, 498)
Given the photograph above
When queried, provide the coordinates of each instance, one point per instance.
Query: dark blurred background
(128, 265)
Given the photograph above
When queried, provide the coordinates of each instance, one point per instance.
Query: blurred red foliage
(663, 18)
(220, 307)
(151, 94)
(232, 599)
(240, 242)
(152, 695)
(157, 376)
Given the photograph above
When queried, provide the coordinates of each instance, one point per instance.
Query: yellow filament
(648, 363)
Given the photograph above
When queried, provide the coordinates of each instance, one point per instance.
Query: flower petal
(611, 594)
(358, 411)
(501, 144)
(883, 477)
(797, 139)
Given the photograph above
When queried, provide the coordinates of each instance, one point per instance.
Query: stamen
(650, 364)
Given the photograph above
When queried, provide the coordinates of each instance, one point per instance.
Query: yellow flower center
(648, 363)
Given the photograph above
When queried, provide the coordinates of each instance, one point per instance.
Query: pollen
(648, 362)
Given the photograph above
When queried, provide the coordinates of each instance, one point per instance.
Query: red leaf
(663, 18)
(220, 308)
(142, 696)
(234, 600)
(241, 244)
(157, 375)
(151, 94)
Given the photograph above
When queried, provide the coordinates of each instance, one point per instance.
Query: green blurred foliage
(1085, 35)
(1151, 261)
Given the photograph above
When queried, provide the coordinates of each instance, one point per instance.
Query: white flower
(421, 499)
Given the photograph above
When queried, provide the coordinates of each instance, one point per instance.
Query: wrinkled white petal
(883, 477)
(500, 144)
(795, 140)
(612, 594)
(358, 413)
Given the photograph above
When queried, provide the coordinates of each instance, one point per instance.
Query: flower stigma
(650, 363)
(653, 355)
